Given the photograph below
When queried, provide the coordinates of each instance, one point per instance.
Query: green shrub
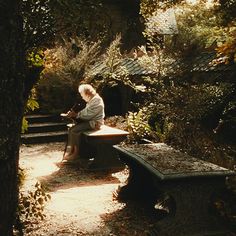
(138, 126)
(55, 95)
(31, 205)
(31, 105)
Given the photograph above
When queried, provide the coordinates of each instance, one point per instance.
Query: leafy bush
(109, 71)
(31, 205)
(31, 105)
(139, 127)
(55, 95)
(65, 65)
(69, 60)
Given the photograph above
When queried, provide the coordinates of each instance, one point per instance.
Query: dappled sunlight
(121, 175)
(208, 3)
(80, 199)
(192, 2)
(86, 203)
(43, 166)
(37, 161)
(86, 199)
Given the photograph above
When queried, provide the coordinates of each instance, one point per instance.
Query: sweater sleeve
(93, 110)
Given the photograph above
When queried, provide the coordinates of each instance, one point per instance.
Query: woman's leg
(74, 139)
(71, 152)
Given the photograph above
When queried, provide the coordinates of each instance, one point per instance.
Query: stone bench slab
(188, 181)
(168, 163)
(106, 131)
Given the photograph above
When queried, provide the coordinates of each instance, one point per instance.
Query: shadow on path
(69, 176)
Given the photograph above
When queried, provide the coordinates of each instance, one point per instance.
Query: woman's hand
(71, 114)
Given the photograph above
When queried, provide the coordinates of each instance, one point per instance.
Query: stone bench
(98, 145)
(188, 181)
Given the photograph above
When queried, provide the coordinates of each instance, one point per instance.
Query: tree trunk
(11, 110)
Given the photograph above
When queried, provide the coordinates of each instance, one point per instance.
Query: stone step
(38, 118)
(46, 127)
(33, 138)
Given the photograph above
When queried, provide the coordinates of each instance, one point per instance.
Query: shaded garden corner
(82, 202)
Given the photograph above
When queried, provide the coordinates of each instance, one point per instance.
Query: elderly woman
(91, 118)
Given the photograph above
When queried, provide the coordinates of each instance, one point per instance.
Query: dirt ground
(82, 202)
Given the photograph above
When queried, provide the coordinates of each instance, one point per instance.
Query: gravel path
(82, 202)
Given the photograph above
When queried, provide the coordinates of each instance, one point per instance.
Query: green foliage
(198, 24)
(193, 113)
(137, 124)
(31, 205)
(74, 17)
(64, 69)
(203, 28)
(52, 91)
(190, 117)
(38, 23)
(148, 7)
(193, 102)
(31, 105)
(110, 72)
(69, 60)
(35, 58)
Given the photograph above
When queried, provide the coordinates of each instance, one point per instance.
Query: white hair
(87, 89)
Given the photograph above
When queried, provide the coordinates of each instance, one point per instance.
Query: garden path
(82, 202)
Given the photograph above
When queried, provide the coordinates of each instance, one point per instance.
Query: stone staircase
(44, 129)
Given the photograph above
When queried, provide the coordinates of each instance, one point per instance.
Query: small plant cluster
(31, 105)
(138, 125)
(31, 205)
(34, 67)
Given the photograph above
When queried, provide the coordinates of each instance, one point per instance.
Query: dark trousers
(74, 134)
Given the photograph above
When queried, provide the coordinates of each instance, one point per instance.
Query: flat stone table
(189, 181)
